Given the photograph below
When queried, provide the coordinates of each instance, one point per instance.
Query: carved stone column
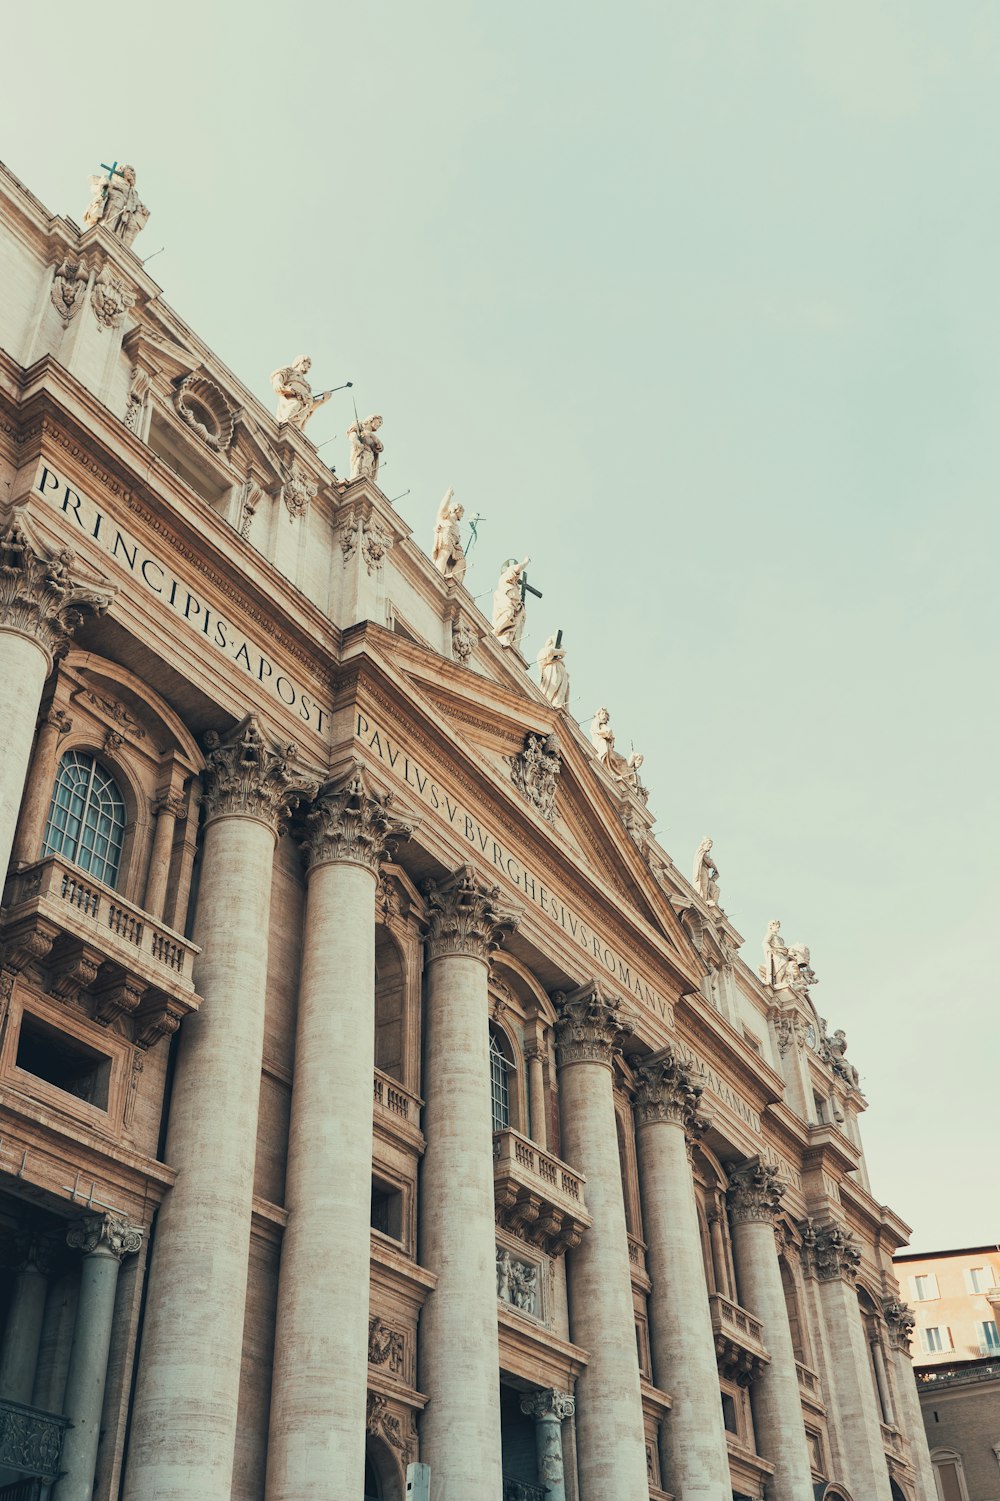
(549, 1409)
(22, 1334)
(168, 809)
(720, 1261)
(754, 1197)
(184, 1423)
(42, 602)
(535, 1055)
(103, 1239)
(900, 1323)
(320, 1373)
(459, 1351)
(611, 1443)
(684, 1363)
(38, 792)
(833, 1258)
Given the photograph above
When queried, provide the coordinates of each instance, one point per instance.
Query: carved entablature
(204, 407)
(754, 1192)
(465, 916)
(590, 1027)
(534, 772)
(246, 777)
(830, 1251)
(667, 1088)
(351, 821)
(41, 596)
(901, 1323)
(105, 1235)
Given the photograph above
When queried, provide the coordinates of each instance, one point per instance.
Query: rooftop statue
(786, 966)
(365, 448)
(602, 737)
(448, 556)
(296, 403)
(508, 604)
(115, 204)
(553, 676)
(705, 878)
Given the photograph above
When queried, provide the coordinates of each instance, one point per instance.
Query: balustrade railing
(520, 1490)
(511, 1148)
(808, 1380)
(394, 1097)
(31, 1440)
(735, 1320)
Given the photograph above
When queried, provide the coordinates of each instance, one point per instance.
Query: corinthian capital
(465, 916)
(548, 1404)
(104, 1235)
(351, 821)
(754, 1191)
(590, 1026)
(40, 594)
(831, 1251)
(667, 1089)
(901, 1322)
(245, 776)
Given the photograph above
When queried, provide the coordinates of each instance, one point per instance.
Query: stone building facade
(376, 1091)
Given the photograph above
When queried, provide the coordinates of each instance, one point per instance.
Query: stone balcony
(537, 1195)
(809, 1388)
(31, 1442)
(94, 948)
(739, 1341)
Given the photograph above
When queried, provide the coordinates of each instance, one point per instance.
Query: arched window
(949, 1474)
(499, 1086)
(86, 820)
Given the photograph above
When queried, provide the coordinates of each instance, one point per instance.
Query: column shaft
(184, 1426)
(684, 1362)
(855, 1407)
(19, 1358)
(319, 1385)
(911, 1418)
(24, 666)
(537, 1098)
(38, 790)
(167, 810)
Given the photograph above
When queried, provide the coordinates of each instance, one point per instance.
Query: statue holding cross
(115, 203)
(508, 602)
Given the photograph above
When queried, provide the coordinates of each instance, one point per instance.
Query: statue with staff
(296, 402)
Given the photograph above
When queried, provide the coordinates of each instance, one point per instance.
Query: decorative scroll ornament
(754, 1192)
(298, 492)
(138, 390)
(381, 1423)
(39, 596)
(547, 1404)
(385, 1346)
(106, 1234)
(69, 282)
(249, 501)
(901, 1323)
(366, 532)
(832, 1251)
(465, 916)
(590, 1026)
(788, 1030)
(534, 773)
(244, 776)
(463, 641)
(350, 820)
(667, 1089)
(110, 299)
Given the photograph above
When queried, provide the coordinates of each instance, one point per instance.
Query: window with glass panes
(991, 1339)
(86, 822)
(499, 1086)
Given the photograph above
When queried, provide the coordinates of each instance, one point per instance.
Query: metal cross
(474, 530)
(527, 589)
(112, 171)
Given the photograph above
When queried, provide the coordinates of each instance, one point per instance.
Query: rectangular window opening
(387, 1210)
(63, 1061)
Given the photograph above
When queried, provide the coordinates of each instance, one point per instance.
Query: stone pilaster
(184, 1423)
(103, 1240)
(833, 1257)
(42, 601)
(667, 1098)
(320, 1372)
(900, 1323)
(22, 1333)
(459, 1350)
(549, 1410)
(611, 1445)
(755, 1195)
(166, 810)
(52, 725)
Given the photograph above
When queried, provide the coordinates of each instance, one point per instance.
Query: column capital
(754, 1192)
(173, 804)
(350, 821)
(41, 595)
(104, 1235)
(901, 1322)
(465, 916)
(548, 1404)
(667, 1089)
(831, 1251)
(244, 776)
(590, 1026)
(58, 719)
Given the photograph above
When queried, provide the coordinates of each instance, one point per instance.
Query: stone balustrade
(891, 1439)
(31, 1441)
(520, 1490)
(537, 1194)
(394, 1099)
(739, 1340)
(637, 1253)
(808, 1381)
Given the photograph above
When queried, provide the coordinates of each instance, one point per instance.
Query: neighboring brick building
(956, 1297)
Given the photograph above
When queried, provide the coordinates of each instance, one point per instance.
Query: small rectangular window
(991, 1339)
(977, 1279)
(932, 1340)
(729, 1414)
(925, 1287)
(63, 1061)
(387, 1210)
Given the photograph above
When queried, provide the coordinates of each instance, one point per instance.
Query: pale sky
(697, 304)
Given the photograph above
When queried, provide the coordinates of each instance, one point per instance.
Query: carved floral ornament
(381, 1423)
(901, 1323)
(831, 1251)
(362, 530)
(39, 596)
(668, 1089)
(466, 916)
(110, 299)
(351, 821)
(754, 1192)
(245, 776)
(69, 282)
(105, 1234)
(386, 1346)
(590, 1027)
(298, 492)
